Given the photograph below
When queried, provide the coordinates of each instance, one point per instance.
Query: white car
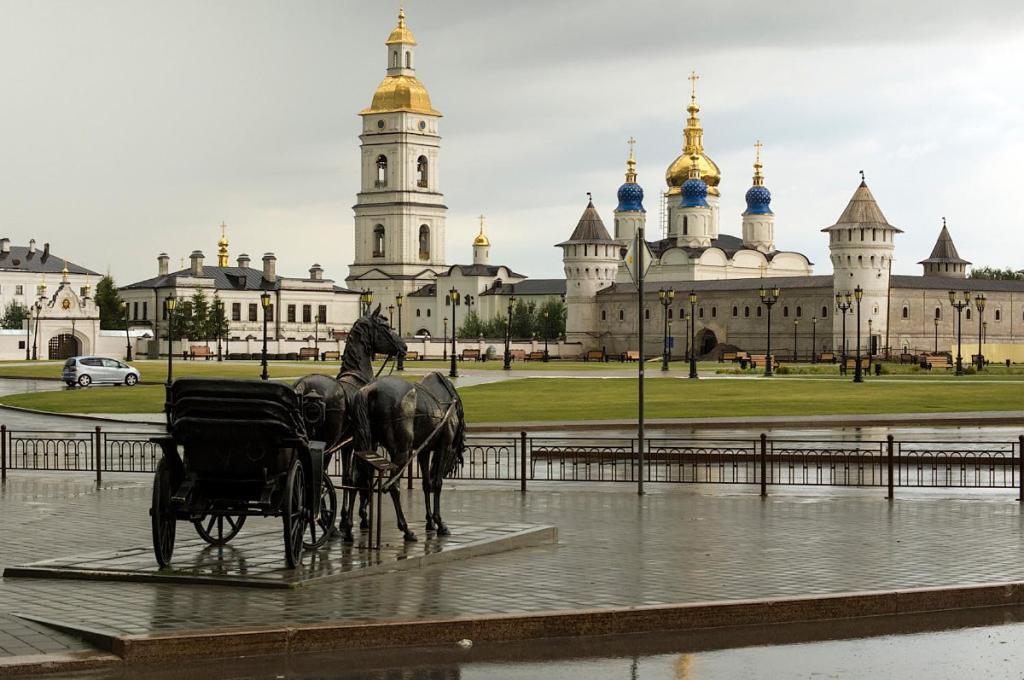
(84, 371)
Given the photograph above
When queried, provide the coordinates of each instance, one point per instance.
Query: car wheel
(84, 380)
(131, 379)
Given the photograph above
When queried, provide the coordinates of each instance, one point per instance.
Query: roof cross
(693, 84)
(861, 175)
(590, 197)
(481, 222)
(757, 150)
(632, 147)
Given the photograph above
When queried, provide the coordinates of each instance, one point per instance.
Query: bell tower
(400, 212)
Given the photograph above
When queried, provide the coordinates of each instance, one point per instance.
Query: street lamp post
(365, 300)
(686, 331)
(35, 340)
(979, 302)
(665, 297)
(768, 298)
(960, 306)
(171, 302)
(265, 301)
(508, 334)
(444, 345)
(544, 326)
(127, 340)
(844, 304)
(454, 298)
(693, 331)
(316, 335)
(814, 339)
(858, 374)
(220, 328)
(936, 351)
(399, 301)
(796, 323)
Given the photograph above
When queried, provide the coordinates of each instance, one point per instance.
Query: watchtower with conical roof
(591, 259)
(944, 260)
(861, 244)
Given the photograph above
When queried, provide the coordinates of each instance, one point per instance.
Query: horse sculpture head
(384, 338)
(371, 334)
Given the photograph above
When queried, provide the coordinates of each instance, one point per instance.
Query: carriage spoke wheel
(218, 529)
(293, 509)
(161, 515)
(319, 526)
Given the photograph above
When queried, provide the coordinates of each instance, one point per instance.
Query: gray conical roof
(862, 212)
(944, 250)
(590, 227)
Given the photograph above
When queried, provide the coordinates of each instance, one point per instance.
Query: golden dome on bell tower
(401, 90)
(222, 247)
(693, 147)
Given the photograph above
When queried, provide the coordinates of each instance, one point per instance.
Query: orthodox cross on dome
(481, 222)
(631, 161)
(64, 273)
(758, 177)
(693, 84)
(757, 150)
(632, 148)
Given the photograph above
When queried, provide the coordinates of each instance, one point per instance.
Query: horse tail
(359, 420)
(459, 442)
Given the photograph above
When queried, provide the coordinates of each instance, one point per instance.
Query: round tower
(591, 259)
(758, 219)
(630, 214)
(481, 246)
(694, 220)
(861, 246)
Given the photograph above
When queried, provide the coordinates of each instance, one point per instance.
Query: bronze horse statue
(327, 401)
(425, 420)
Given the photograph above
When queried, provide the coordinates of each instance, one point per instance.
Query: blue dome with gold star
(758, 200)
(695, 193)
(631, 198)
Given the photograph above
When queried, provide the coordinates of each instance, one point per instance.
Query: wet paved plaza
(679, 543)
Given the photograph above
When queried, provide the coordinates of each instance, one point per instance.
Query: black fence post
(888, 456)
(3, 453)
(522, 462)
(764, 464)
(1020, 472)
(98, 446)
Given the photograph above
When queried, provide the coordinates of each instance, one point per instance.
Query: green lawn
(615, 398)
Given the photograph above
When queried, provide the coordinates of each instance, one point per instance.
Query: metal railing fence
(763, 461)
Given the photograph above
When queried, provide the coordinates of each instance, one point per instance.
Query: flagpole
(640, 248)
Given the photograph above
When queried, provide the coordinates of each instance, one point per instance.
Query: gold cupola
(401, 90)
(222, 247)
(481, 238)
(693, 147)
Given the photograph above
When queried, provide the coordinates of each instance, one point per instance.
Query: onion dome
(680, 170)
(400, 92)
(695, 189)
(401, 34)
(758, 197)
(481, 238)
(631, 194)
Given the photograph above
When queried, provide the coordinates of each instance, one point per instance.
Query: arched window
(669, 310)
(906, 312)
(799, 312)
(686, 226)
(824, 311)
(394, 59)
(759, 312)
(701, 313)
(621, 315)
(746, 312)
(421, 169)
(938, 312)
(604, 315)
(428, 313)
(408, 59)
(968, 313)
(647, 314)
(382, 171)
(999, 314)
(714, 312)
(785, 311)
(378, 241)
(735, 311)
(424, 242)
(418, 312)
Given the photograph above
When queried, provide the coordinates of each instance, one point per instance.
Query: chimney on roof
(5, 245)
(46, 252)
(316, 273)
(31, 246)
(196, 269)
(269, 268)
(243, 261)
(163, 264)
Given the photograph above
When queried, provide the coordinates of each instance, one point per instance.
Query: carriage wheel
(319, 527)
(161, 515)
(293, 510)
(218, 529)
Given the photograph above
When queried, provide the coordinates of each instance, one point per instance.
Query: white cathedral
(400, 245)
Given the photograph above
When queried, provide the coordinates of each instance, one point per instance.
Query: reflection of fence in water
(803, 463)
(985, 465)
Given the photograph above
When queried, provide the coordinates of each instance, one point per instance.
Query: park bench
(307, 353)
(535, 356)
(467, 354)
(827, 358)
(728, 356)
(907, 358)
(200, 351)
(330, 355)
(851, 365)
(594, 355)
(517, 354)
(760, 360)
(412, 355)
(977, 359)
(931, 361)
(630, 355)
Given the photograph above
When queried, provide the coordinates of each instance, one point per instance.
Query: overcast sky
(130, 127)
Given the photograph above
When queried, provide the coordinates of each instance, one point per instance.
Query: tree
(524, 319)
(551, 320)
(198, 325)
(472, 327)
(15, 314)
(217, 323)
(109, 304)
(996, 274)
(181, 319)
